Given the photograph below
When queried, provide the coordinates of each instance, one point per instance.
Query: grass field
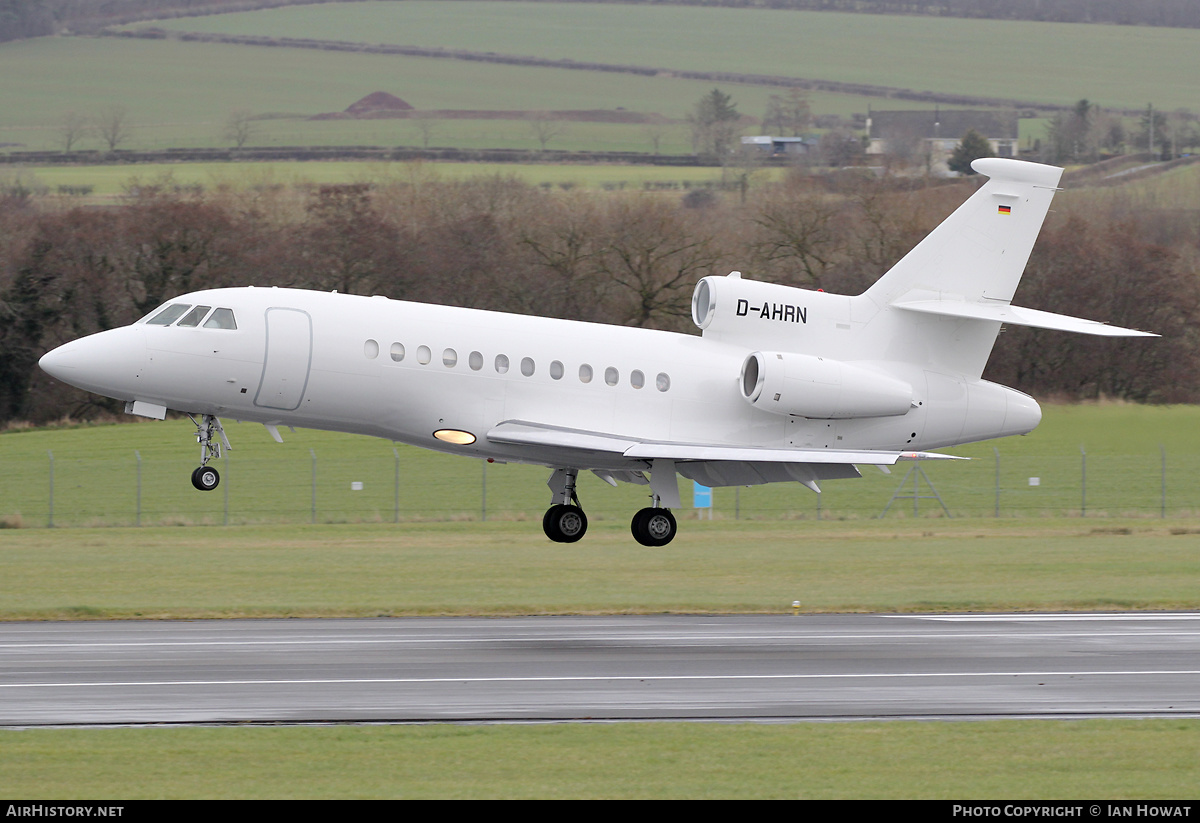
(1005, 59)
(512, 569)
(1118, 473)
(1091, 760)
(182, 94)
(443, 559)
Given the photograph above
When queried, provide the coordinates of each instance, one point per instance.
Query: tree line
(624, 257)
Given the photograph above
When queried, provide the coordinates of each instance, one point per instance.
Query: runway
(767, 668)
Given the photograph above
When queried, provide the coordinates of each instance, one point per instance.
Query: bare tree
(545, 127)
(72, 128)
(112, 124)
(788, 115)
(655, 253)
(239, 127)
(798, 231)
(425, 127)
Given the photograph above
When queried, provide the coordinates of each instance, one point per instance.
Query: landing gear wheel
(564, 524)
(205, 478)
(654, 527)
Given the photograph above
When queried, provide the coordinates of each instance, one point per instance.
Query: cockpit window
(194, 317)
(221, 319)
(168, 315)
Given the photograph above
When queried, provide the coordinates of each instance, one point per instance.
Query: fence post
(1163, 498)
(996, 451)
(138, 517)
(1082, 482)
(50, 514)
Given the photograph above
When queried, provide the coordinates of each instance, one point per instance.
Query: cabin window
(168, 315)
(371, 349)
(475, 361)
(449, 358)
(557, 370)
(585, 373)
(527, 366)
(221, 319)
(501, 364)
(637, 379)
(662, 382)
(424, 355)
(611, 376)
(194, 317)
(397, 352)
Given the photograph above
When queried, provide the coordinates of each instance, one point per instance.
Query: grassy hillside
(183, 93)
(1008, 59)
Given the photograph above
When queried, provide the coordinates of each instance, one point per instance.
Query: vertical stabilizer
(979, 252)
(961, 275)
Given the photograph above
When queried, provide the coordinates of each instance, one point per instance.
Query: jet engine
(807, 386)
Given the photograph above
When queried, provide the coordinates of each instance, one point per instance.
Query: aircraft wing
(708, 463)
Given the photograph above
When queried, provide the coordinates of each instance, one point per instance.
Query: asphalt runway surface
(807, 667)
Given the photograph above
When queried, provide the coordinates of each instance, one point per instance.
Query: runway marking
(1033, 618)
(594, 678)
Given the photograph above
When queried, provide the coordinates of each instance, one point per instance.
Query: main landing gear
(206, 478)
(565, 522)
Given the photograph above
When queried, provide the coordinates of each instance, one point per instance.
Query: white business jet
(784, 384)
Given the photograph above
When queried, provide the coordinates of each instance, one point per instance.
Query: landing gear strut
(564, 521)
(206, 478)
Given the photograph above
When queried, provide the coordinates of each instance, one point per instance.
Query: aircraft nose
(107, 363)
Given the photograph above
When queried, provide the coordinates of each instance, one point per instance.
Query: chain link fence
(388, 483)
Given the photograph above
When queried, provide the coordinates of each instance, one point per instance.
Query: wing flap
(522, 432)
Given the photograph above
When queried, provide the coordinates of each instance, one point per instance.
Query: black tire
(206, 478)
(564, 524)
(654, 527)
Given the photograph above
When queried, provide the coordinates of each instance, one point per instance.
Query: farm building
(927, 138)
(780, 146)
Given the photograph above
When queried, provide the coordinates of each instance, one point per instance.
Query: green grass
(1092, 760)
(95, 478)
(1007, 59)
(510, 568)
(181, 94)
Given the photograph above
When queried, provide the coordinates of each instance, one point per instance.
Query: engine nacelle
(807, 386)
(721, 304)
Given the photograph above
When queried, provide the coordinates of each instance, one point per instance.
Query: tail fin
(979, 252)
(943, 304)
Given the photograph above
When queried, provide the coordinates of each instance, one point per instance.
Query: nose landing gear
(206, 478)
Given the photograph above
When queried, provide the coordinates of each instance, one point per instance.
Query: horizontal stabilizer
(1017, 316)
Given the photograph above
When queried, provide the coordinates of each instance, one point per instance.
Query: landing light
(458, 438)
